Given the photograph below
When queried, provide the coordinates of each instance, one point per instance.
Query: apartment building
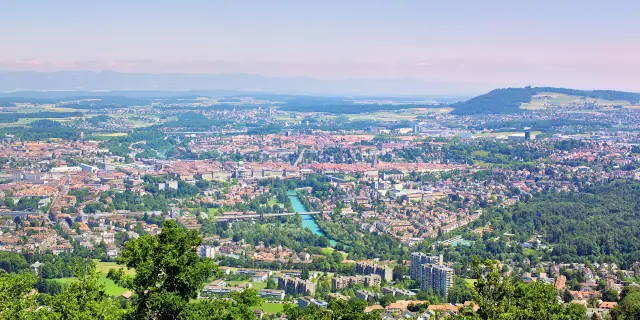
(367, 268)
(296, 286)
(340, 283)
(418, 259)
(437, 277)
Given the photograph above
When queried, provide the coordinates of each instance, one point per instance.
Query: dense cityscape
(394, 208)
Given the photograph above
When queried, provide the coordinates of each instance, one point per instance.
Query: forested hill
(508, 100)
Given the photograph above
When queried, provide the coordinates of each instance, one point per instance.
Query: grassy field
(110, 287)
(330, 250)
(109, 135)
(546, 100)
(405, 114)
(106, 136)
(259, 285)
(271, 202)
(270, 307)
(103, 268)
(45, 107)
(106, 266)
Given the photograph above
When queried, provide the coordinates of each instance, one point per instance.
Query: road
(299, 157)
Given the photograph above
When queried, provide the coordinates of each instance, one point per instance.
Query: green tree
(305, 274)
(628, 308)
(238, 307)
(169, 272)
(15, 297)
(610, 295)
(84, 298)
(336, 310)
(271, 284)
(501, 297)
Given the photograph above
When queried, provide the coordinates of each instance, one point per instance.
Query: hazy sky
(574, 43)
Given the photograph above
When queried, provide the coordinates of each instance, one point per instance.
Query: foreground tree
(169, 275)
(84, 298)
(628, 308)
(499, 297)
(169, 272)
(337, 310)
(16, 298)
(238, 306)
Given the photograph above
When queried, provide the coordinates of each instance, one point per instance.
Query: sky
(581, 44)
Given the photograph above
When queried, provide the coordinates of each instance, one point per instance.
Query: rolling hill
(510, 100)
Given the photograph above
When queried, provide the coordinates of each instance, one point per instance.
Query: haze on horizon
(587, 44)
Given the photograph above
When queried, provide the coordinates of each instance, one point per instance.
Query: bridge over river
(308, 219)
(261, 216)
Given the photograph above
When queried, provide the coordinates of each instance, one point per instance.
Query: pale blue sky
(580, 43)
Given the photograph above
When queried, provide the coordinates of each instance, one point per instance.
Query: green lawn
(106, 136)
(330, 250)
(270, 307)
(271, 202)
(259, 285)
(104, 267)
(110, 287)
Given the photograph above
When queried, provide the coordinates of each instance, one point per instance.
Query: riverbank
(308, 220)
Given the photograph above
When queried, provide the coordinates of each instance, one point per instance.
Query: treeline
(286, 232)
(42, 130)
(491, 152)
(341, 106)
(146, 139)
(15, 116)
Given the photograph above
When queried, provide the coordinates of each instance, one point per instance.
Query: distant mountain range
(11, 81)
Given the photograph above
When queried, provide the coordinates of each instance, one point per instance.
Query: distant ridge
(508, 100)
(11, 81)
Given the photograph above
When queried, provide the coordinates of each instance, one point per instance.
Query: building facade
(366, 268)
(340, 283)
(417, 260)
(296, 286)
(436, 277)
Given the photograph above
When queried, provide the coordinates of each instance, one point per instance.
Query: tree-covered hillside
(600, 223)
